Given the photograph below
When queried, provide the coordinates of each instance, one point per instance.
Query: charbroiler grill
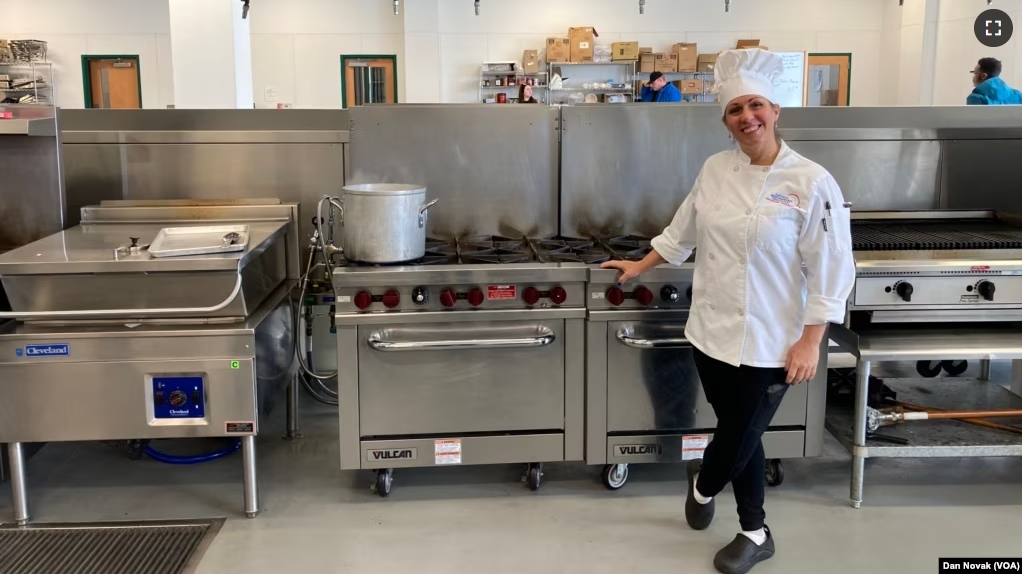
(473, 354)
(931, 286)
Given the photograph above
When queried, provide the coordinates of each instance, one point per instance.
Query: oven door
(461, 378)
(653, 386)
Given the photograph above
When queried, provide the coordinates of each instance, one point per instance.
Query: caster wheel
(954, 368)
(615, 476)
(535, 476)
(928, 369)
(384, 480)
(774, 472)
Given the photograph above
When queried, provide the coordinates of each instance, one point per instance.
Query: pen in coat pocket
(824, 220)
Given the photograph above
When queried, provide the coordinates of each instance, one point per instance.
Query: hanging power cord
(196, 459)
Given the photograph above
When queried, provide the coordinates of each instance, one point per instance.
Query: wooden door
(829, 78)
(369, 80)
(114, 83)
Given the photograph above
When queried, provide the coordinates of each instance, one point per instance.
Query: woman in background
(525, 95)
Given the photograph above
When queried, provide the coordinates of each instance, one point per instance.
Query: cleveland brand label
(639, 449)
(61, 350)
(390, 454)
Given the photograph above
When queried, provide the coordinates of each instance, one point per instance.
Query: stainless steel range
(472, 355)
(644, 402)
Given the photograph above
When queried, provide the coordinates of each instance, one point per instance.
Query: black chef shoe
(698, 515)
(742, 554)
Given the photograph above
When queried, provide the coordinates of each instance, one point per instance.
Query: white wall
(74, 28)
(507, 27)
(297, 47)
(958, 49)
(296, 44)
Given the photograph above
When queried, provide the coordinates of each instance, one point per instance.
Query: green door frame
(86, 76)
(848, 91)
(344, 75)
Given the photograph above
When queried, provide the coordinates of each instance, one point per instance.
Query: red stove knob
(391, 298)
(448, 297)
(475, 297)
(363, 300)
(615, 296)
(530, 295)
(558, 295)
(643, 296)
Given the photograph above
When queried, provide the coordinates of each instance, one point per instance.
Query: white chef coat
(753, 228)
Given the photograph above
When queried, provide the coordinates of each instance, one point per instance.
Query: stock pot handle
(657, 343)
(544, 337)
(422, 212)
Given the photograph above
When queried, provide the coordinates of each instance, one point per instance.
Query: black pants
(744, 400)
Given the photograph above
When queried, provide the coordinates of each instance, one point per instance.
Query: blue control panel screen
(179, 398)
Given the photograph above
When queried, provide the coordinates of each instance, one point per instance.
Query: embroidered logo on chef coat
(790, 200)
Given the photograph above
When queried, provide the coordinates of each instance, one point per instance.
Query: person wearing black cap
(658, 89)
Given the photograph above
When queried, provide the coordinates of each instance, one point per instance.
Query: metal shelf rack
(511, 76)
(597, 79)
(30, 83)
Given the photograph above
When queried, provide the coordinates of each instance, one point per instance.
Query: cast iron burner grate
(934, 235)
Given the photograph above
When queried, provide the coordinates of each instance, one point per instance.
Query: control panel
(459, 297)
(990, 290)
(638, 295)
(178, 397)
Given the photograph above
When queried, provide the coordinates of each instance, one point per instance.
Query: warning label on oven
(448, 451)
(501, 292)
(692, 446)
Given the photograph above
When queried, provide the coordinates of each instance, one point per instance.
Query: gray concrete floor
(318, 519)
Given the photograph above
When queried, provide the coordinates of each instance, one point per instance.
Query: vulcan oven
(472, 355)
(644, 401)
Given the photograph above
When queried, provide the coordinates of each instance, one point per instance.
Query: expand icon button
(39, 351)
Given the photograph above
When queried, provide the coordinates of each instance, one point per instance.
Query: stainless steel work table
(999, 341)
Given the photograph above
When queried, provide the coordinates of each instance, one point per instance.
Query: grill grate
(158, 548)
(943, 235)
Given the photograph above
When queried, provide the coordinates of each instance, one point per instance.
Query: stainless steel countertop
(998, 341)
(90, 248)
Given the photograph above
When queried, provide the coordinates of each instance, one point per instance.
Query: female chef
(773, 266)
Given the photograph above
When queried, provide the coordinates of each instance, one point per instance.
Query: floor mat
(164, 547)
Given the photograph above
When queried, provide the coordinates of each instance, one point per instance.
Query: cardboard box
(688, 57)
(747, 44)
(583, 41)
(558, 50)
(647, 63)
(666, 63)
(690, 87)
(706, 63)
(645, 50)
(624, 51)
(530, 61)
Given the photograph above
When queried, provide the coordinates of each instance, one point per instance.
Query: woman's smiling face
(751, 119)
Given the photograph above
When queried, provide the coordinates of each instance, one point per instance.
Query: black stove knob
(986, 290)
(904, 290)
(420, 296)
(670, 294)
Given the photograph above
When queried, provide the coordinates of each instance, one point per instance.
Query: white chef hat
(746, 72)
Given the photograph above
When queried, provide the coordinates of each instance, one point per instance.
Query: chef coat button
(766, 169)
(711, 256)
(716, 207)
(748, 212)
(741, 261)
(741, 313)
(736, 168)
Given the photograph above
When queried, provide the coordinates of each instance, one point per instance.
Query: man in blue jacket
(990, 89)
(658, 89)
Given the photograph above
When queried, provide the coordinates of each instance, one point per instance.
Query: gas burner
(558, 242)
(587, 256)
(492, 242)
(627, 242)
(521, 255)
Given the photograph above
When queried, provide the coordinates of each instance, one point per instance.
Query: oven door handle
(656, 343)
(543, 338)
